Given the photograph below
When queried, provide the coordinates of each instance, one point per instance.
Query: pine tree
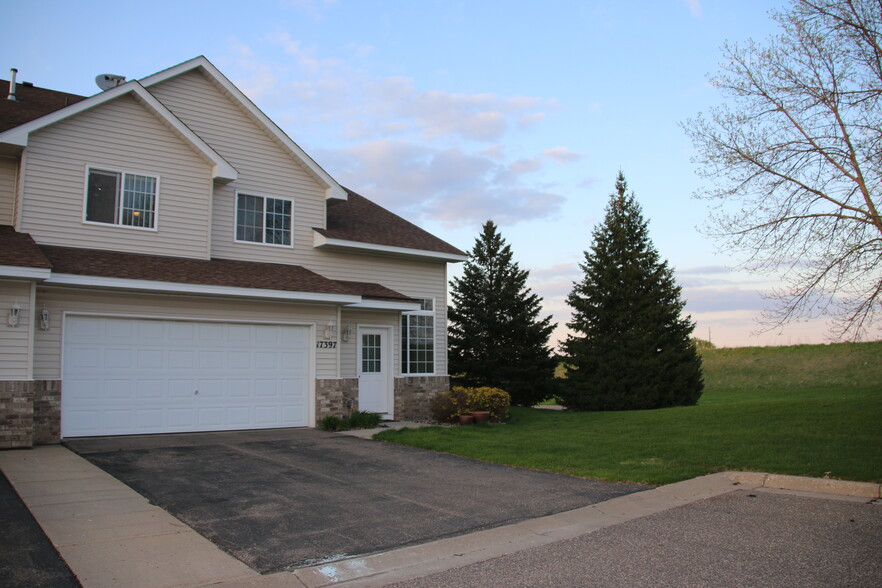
(630, 347)
(495, 335)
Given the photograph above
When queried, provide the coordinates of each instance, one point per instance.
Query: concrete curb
(422, 560)
(802, 484)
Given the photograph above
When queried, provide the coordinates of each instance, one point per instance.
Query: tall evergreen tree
(630, 347)
(495, 335)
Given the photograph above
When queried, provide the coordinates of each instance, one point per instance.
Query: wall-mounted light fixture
(330, 331)
(44, 319)
(347, 332)
(14, 315)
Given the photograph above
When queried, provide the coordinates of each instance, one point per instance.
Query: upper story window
(418, 339)
(120, 198)
(260, 219)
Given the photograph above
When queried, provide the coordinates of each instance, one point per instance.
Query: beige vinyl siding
(265, 168)
(349, 349)
(8, 176)
(120, 135)
(15, 342)
(411, 278)
(47, 347)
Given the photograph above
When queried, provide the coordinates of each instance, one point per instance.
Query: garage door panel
(130, 376)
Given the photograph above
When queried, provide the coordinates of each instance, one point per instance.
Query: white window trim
(434, 339)
(264, 196)
(123, 173)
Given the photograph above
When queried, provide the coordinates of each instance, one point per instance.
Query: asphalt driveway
(294, 497)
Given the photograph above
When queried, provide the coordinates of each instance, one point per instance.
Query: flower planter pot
(466, 419)
(481, 416)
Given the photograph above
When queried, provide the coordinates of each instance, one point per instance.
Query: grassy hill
(841, 365)
(811, 410)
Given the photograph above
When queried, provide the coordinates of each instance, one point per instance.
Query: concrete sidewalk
(111, 536)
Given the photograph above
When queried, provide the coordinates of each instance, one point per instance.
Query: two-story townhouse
(170, 260)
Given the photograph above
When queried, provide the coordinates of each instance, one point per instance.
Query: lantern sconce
(14, 315)
(330, 331)
(44, 319)
(347, 333)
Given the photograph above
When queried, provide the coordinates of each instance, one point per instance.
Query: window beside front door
(261, 219)
(121, 198)
(418, 339)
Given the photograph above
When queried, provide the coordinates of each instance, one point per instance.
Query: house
(171, 261)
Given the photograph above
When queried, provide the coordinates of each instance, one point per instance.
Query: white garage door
(133, 376)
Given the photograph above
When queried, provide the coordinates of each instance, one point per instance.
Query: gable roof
(20, 134)
(333, 190)
(31, 103)
(360, 224)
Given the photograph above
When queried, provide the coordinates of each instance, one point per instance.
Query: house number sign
(326, 345)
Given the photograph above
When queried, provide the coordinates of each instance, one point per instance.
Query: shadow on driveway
(295, 497)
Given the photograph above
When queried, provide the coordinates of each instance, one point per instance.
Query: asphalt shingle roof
(20, 250)
(31, 103)
(213, 272)
(359, 219)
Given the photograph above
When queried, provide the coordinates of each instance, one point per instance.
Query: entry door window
(371, 354)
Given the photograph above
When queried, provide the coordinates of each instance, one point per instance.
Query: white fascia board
(31, 273)
(385, 305)
(333, 189)
(320, 240)
(222, 170)
(204, 289)
(19, 135)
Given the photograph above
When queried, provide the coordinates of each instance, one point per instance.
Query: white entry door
(125, 376)
(374, 370)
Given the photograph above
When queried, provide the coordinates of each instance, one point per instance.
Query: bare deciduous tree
(795, 161)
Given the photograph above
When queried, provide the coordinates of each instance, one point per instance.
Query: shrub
(332, 423)
(364, 420)
(448, 406)
(493, 400)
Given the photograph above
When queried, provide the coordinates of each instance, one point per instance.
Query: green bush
(460, 400)
(332, 423)
(364, 420)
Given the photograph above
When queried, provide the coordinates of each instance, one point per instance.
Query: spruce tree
(630, 347)
(495, 335)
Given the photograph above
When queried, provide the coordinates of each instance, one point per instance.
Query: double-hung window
(418, 339)
(120, 198)
(261, 219)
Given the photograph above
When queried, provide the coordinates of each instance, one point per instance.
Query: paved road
(744, 538)
(283, 499)
(27, 557)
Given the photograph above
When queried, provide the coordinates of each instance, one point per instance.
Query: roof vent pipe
(12, 73)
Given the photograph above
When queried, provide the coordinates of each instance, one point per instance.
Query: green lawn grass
(810, 410)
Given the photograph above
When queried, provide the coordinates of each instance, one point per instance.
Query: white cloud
(452, 186)
(562, 155)
(694, 7)
(427, 154)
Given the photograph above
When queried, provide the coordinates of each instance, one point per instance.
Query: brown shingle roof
(375, 291)
(359, 219)
(214, 272)
(20, 250)
(31, 103)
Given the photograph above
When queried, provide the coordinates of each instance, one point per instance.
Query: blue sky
(454, 112)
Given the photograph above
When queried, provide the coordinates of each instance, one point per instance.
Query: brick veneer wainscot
(414, 396)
